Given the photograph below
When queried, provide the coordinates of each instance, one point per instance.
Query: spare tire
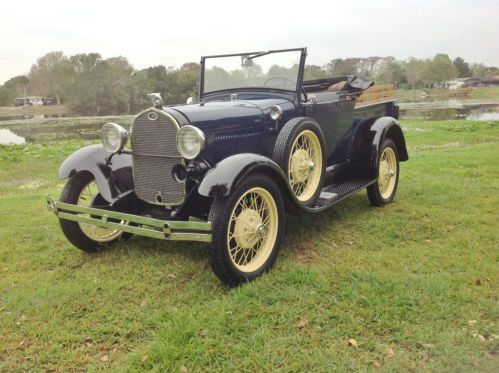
(300, 152)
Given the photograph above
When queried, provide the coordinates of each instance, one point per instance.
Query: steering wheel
(284, 82)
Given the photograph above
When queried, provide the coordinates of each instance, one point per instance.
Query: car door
(334, 114)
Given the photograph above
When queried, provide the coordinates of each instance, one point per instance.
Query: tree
(390, 71)
(50, 73)
(480, 70)
(13, 88)
(440, 69)
(314, 72)
(342, 67)
(414, 71)
(463, 68)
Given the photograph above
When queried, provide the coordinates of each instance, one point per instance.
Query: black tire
(373, 190)
(284, 143)
(220, 218)
(72, 229)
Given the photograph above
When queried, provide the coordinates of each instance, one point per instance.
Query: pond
(7, 137)
(451, 109)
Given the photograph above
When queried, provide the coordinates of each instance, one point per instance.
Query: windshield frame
(299, 79)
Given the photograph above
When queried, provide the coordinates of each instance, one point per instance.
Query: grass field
(413, 286)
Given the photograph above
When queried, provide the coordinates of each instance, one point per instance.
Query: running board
(337, 192)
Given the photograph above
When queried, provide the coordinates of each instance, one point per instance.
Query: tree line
(92, 85)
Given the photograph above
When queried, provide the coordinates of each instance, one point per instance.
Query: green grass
(414, 283)
(485, 93)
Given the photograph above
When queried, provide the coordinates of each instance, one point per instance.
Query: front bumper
(135, 224)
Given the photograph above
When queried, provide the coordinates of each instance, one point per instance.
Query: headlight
(190, 141)
(114, 137)
(275, 112)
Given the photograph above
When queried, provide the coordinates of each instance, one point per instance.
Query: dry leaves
(427, 241)
(203, 333)
(183, 369)
(145, 357)
(302, 323)
(428, 345)
(172, 276)
(478, 282)
(352, 342)
(472, 322)
(104, 358)
(390, 352)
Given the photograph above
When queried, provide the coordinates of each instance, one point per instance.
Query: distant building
(490, 80)
(34, 101)
(463, 83)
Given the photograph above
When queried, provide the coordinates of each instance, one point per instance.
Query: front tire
(247, 230)
(82, 190)
(383, 191)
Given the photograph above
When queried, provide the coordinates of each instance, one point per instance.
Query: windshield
(279, 70)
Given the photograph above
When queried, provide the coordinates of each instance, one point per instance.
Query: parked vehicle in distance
(260, 143)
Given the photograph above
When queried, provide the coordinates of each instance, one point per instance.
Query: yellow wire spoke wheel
(305, 165)
(86, 199)
(387, 175)
(252, 230)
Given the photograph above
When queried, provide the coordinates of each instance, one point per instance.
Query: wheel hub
(248, 228)
(301, 165)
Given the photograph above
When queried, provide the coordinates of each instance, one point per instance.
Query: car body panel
(113, 178)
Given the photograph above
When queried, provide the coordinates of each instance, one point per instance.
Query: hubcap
(305, 164)
(252, 230)
(387, 173)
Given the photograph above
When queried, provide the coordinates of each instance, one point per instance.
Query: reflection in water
(450, 110)
(8, 137)
(16, 117)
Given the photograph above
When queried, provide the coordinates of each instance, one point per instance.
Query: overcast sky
(171, 33)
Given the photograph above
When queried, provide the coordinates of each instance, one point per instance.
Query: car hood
(211, 115)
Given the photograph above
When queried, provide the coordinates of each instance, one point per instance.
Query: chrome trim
(123, 136)
(174, 121)
(275, 112)
(152, 116)
(140, 225)
(199, 133)
(156, 99)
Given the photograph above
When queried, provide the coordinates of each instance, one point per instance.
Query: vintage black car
(260, 143)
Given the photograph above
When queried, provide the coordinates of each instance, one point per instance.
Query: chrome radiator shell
(154, 154)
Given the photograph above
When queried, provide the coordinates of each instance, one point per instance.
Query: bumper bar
(135, 224)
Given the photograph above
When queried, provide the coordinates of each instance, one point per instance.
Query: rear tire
(384, 189)
(247, 230)
(72, 193)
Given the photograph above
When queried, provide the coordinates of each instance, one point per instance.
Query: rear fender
(225, 177)
(113, 179)
(387, 127)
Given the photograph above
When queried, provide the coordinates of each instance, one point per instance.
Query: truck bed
(368, 109)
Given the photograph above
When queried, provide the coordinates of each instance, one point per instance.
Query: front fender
(387, 127)
(222, 179)
(112, 179)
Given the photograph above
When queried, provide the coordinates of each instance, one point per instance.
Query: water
(8, 137)
(451, 109)
(17, 117)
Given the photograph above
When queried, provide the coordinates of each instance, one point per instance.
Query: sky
(151, 32)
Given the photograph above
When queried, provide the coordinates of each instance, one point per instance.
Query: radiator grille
(154, 156)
